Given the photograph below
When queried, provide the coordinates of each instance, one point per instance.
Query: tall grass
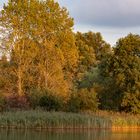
(125, 121)
(60, 120)
(49, 120)
(121, 119)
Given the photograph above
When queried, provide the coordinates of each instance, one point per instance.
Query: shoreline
(42, 120)
(113, 128)
(125, 128)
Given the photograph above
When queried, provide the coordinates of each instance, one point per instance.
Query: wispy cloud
(113, 18)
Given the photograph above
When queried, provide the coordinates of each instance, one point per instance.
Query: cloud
(113, 18)
(110, 34)
(111, 13)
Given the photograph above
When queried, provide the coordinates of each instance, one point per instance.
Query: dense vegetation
(51, 120)
(44, 64)
(38, 119)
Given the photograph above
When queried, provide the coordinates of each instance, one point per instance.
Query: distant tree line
(45, 64)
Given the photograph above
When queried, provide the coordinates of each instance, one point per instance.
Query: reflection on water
(67, 135)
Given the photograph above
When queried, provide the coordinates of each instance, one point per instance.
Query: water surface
(67, 135)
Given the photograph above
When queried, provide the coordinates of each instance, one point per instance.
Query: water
(67, 135)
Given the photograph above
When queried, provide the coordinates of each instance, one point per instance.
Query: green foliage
(94, 44)
(110, 97)
(123, 69)
(131, 103)
(2, 103)
(47, 120)
(73, 104)
(90, 79)
(83, 99)
(50, 102)
(50, 120)
(44, 53)
(88, 99)
(92, 48)
(45, 99)
(127, 71)
(34, 96)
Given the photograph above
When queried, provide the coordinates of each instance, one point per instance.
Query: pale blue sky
(1, 2)
(113, 18)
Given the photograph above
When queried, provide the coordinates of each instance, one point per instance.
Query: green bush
(50, 102)
(73, 104)
(83, 99)
(34, 96)
(131, 103)
(2, 103)
(44, 99)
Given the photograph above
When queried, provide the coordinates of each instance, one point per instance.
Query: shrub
(2, 103)
(45, 99)
(34, 96)
(73, 104)
(16, 102)
(131, 103)
(83, 99)
(50, 102)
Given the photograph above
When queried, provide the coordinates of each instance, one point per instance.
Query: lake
(67, 135)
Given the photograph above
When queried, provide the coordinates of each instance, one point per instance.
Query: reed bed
(121, 120)
(61, 120)
(51, 120)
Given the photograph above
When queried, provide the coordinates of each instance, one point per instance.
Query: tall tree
(41, 43)
(92, 48)
(123, 67)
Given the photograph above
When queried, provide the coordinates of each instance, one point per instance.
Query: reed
(52, 120)
(61, 120)
(121, 120)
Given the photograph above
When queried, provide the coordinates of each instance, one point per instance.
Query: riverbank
(121, 121)
(38, 119)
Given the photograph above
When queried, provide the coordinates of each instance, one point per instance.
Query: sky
(113, 18)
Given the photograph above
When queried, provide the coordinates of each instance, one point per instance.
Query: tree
(91, 48)
(41, 44)
(96, 42)
(123, 67)
(4, 76)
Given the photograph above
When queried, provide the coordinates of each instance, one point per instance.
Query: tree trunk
(20, 92)
(46, 79)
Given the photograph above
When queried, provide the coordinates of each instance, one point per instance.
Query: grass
(121, 120)
(61, 120)
(49, 120)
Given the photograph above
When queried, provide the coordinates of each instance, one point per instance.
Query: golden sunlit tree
(41, 45)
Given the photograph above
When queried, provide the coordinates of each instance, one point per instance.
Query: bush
(50, 102)
(16, 102)
(34, 97)
(131, 103)
(45, 99)
(73, 104)
(2, 103)
(82, 100)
